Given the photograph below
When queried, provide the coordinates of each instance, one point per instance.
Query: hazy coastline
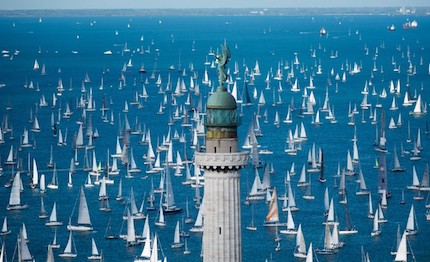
(215, 12)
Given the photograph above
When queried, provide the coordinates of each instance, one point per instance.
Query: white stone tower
(222, 240)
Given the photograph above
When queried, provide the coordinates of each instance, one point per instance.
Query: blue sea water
(73, 47)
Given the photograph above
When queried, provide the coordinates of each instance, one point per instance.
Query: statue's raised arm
(222, 61)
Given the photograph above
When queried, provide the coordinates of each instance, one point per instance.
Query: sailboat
(50, 254)
(5, 230)
(54, 243)
(272, 217)
(119, 196)
(397, 167)
(42, 213)
(145, 255)
(131, 233)
(84, 221)
(402, 252)
(137, 214)
(169, 206)
(149, 254)
(70, 250)
(53, 217)
(54, 180)
(411, 225)
(331, 215)
(290, 230)
(397, 242)
(10, 157)
(300, 250)
(186, 250)
(251, 225)
(418, 109)
(349, 227)
(328, 248)
(308, 194)
(24, 254)
(176, 237)
(415, 181)
(198, 224)
(160, 218)
(362, 185)
(256, 192)
(15, 194)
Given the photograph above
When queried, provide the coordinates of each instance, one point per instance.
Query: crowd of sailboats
(80, 117)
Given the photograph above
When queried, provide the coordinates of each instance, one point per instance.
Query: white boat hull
(79, 228)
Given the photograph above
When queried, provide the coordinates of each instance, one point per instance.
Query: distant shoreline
(215, 12)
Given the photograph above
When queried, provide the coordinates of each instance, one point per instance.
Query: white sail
(402, 253)
(410, 225)
(15, 194)
(326, 200)
(50, 255)
(154, 251)
(146, 251)
(309, 255)
(79, 143)
(146, 233)
(69, 250)
(42, 186)
(131, 234)
(376, 230)
(331, 215)
(84, 214)
(53, 217)
(35, 179)
(84, 220)
(176, 237)
(24, 251)
(102, 190)
(118, 149)
(95, 255)
(198, 224)
(300, 244)
(4, 229)
(10, 157)
(418, 109)
(290, 224)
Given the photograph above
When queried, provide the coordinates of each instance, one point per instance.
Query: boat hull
(79, 228)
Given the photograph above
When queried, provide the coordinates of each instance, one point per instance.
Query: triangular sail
(154, 252)
(24, 250)
(53, 216)
(146, 252)
(68, 248)
(300, 241)
(94, 250)
(15, 197)
(131, 234)
(35, 179)
(84, 214)
(402, 254)
(410, 225)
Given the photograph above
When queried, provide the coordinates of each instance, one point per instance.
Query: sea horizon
(419, 10)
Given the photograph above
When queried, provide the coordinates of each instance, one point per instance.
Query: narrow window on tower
(220, 230)
(230, 149)
(214, 149)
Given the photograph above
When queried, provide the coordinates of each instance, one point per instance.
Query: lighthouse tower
(222, 162)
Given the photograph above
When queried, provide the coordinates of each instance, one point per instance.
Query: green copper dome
(221, 110)
(221, 99)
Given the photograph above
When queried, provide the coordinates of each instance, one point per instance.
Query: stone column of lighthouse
(222, 240)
